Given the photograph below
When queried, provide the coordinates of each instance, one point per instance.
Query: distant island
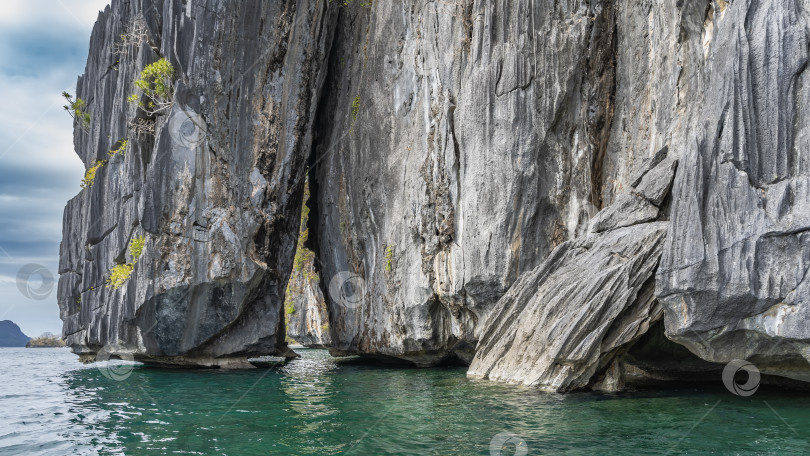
(45, 340)
(11, 335)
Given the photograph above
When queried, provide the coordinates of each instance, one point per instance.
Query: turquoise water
(52, 405)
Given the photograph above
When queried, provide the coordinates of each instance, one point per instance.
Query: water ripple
(318, 405)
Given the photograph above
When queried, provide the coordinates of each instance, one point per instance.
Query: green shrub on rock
(77, 109)
(120, 273)
(157, 84)
(136, 247)
(120, 150)
(90, 174)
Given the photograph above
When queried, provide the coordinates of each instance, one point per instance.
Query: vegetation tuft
(135, 33)
(120, 273)
(136, 247)
(90, 174)
(303, 260)
(304, 256)
(120, 150)
(157, 84)
(77, 109)
(142, 127)
(355, 112)
(389, 258)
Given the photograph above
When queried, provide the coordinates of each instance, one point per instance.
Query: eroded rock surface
(553, 328)
(459, 142)
(307, 315)
(573, 316)
(216, 189)
(733, 278)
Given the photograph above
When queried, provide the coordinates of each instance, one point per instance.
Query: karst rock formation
(564, 194)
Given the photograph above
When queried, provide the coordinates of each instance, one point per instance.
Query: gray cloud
(43, 48)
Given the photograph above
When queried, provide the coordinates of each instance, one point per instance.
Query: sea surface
(318, 405)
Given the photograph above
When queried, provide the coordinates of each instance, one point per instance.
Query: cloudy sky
(43, 48)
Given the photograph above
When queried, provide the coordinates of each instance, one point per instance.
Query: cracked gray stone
(628, 209)
(655, 185)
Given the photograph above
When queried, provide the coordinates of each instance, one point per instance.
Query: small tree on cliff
(78, 110)
(90, 174)
(135, 33)
(157, 85)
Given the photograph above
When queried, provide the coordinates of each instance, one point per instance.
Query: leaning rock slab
(628, 209)
(656, 184)
(558, 324)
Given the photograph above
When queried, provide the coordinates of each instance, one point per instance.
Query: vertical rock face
(734, 272)
(458, 143)
(731, 279)
(215, 190)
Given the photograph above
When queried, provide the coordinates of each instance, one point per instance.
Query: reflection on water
(318, 405)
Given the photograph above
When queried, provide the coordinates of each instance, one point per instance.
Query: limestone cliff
(731, 280)
(551, 191)
(214, 188)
